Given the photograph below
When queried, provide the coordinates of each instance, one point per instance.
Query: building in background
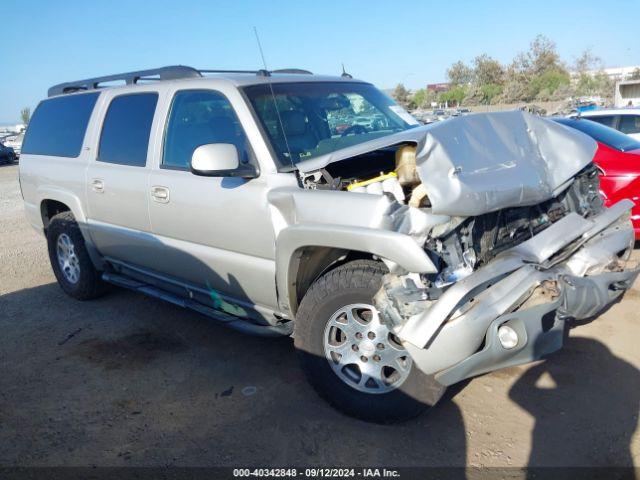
(438, 87)
(627, 91)
(614, 73)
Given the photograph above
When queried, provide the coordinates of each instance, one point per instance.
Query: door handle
(160, 194)
(97, 185)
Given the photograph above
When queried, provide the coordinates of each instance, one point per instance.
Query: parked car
(399, 270)
(618, 159)
(15, 142)
(625, 120)
(7, 155)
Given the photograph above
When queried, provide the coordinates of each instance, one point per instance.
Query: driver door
(214, 232)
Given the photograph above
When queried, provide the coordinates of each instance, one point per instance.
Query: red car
(618, 159)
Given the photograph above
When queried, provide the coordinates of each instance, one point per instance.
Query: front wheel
(351, 357)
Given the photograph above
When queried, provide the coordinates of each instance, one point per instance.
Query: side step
(236, 323)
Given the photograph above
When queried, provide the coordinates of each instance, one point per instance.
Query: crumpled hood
(484, 162)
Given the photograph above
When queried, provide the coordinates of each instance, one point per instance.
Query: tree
(25, 115)
(589, 83)
(545, 85)
(418, 99)
(543, 57)
(490, 91)
(586, 62)
(401, 95)
(516, 79)
(635, 75)
(597, 85)
(460, 73)
(487, 70)
(454, 96)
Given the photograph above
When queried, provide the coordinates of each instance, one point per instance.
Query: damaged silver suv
(402, 259)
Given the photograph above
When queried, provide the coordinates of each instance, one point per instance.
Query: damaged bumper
(571, 270)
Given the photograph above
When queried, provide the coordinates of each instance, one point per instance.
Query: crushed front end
(507, 208)
(509, 282)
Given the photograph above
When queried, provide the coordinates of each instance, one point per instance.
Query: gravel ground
(129, 380)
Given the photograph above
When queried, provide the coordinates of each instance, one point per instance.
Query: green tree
(401, 95)
(490, 91)
(543, 56)
(487, 70)
(25, 115)
(592, 80)
(419, 98)
(454, 96)
(545, 85)
(596, 85)
(460, 73)
(635, 75)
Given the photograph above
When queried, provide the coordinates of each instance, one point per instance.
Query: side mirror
(220, 160)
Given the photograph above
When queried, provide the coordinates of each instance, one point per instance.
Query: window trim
(86, 128)
(104, 120)
(162, 166)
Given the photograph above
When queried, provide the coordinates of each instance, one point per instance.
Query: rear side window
(629, 124)
(58, 126)
(606, 120)
(125, 132)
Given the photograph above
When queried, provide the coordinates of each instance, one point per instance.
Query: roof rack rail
(294, 71)
(163, 73)
(130, 78)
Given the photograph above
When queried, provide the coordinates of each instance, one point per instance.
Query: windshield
(322, 117)
(600, 133)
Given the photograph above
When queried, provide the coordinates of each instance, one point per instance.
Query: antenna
(344, 73)
(273, 96)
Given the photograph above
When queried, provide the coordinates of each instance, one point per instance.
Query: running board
(236, 323)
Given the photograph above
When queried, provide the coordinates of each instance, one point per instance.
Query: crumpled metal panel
(484, 162)
(480, 163)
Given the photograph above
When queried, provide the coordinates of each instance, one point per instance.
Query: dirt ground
(129, 380)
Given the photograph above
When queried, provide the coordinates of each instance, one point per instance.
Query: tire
(355, 283)
(80, 279)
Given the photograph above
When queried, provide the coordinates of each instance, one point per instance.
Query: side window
(629, 124)
(125, 132)
(200, 117)
(58, 125)
(606, 120)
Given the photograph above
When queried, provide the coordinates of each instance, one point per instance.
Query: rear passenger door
(118, 180)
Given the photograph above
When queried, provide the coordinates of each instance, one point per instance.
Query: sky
(384, 42)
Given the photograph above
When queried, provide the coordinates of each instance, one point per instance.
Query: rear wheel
(70, 260)
(351, 357)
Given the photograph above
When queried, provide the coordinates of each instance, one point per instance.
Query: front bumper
(571, 270)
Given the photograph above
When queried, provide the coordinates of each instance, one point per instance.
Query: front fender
(396, 247)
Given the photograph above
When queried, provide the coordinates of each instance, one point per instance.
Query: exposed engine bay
(463, 244)
(391, 170)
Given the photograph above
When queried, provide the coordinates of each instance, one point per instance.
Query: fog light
(507, 336)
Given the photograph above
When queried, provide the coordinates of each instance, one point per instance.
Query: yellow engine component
(379, 178)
